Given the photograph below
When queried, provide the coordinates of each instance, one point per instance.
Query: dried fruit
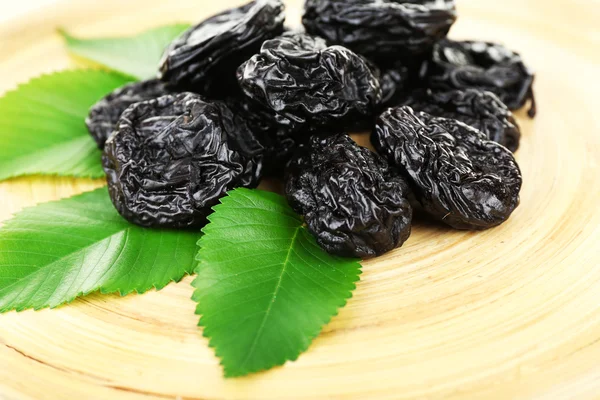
(204, 59)
(456, 174)
(400, 77)
(352, 201)
(104, 115)
(307, 85)
(278, 142)
(482, 110)
(394, 85)
(380, 29)
(485, 66)
(172, 158)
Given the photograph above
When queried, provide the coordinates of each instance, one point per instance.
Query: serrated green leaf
(264, 287)
(54, 252)
(42, 124)
(137, 56)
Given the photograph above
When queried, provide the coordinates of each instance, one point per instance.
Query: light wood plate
(513, 312)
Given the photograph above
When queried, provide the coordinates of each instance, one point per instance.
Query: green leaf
(52, 253)
(264, 287)
(42, 124)
(137, 56)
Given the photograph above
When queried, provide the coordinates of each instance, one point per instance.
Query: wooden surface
(512, 312)
(12, 9)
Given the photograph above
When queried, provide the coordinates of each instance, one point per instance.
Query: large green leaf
(137, 56)
(264, 287)
(52, 253)
(42, 124)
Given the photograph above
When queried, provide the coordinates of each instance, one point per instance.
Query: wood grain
(512, 312)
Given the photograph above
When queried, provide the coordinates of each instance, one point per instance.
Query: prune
(307, 85)
(394, 85)
(172, 158)
(204, 59)
(456, 174)
(352, 201)
(482, 110)
(484, 66)
(380, 29)
(401, 77)
(104, 115)
(278, 142)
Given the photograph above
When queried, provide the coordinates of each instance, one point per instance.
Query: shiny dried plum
(172, 158)
(278, 142)
(394, 85)
(104, 115)
(400, 78)
(456, 174)
(204, 59)
(308, 85)
(482, 110)
(485, 66)
(353, 202)
(380, 29)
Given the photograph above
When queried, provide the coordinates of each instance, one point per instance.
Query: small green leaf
(137, 56)
(264, 287)
(42, 124)
(52, 253)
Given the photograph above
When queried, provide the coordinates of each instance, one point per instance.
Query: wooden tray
(513, 312)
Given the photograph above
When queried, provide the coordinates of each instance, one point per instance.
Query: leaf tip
(63, 32)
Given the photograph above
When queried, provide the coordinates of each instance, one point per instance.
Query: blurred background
(11, 9)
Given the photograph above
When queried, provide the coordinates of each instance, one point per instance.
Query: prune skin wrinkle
(485, 66)
(278, 142)
(308, 86)
(399, 78)
(481, 110)
(171, 159)
(394, 84)
(204, 59)
(353, 203)
(457, 175)
(380, 30)
(104, 115)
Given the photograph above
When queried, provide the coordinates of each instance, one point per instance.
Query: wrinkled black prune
(308, 85)
(380, 29)
(104, 115)
(456, 174)
(394, 85)
(484, 66)
(205, 58)
(353, 202)
(401, 77)
(172, 158)
(482, 110)
(279, 144)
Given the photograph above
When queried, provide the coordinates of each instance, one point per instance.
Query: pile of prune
(238, 99)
